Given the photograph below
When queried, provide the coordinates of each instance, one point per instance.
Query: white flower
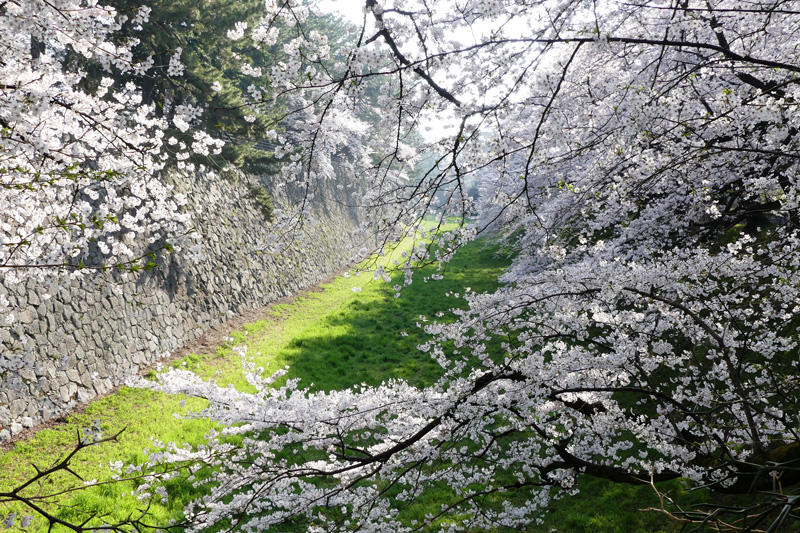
(238, 31)
(176, 67)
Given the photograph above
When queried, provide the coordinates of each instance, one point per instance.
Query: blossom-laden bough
(82, 157)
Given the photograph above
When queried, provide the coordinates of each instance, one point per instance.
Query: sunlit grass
(142, 414)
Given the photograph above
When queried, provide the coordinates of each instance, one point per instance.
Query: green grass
(606, 507)
(330, 338)
(142, 414)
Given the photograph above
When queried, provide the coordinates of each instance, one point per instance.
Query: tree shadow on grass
(372, 340)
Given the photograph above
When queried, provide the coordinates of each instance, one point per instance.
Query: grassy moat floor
(330, 337)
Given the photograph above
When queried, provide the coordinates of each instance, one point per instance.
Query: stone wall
(88, 336)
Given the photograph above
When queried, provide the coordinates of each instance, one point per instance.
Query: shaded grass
(605, 507)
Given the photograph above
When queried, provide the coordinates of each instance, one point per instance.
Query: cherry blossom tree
(642, 158)
(81, 190)
(80, 155)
